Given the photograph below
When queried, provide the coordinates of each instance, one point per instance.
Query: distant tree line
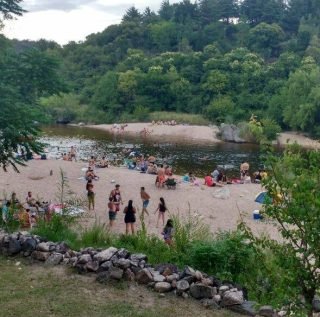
(224, 59)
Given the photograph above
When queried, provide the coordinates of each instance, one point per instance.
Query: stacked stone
(120, 264)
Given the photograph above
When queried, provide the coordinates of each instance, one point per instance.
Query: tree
(23, 79)
(9, 9)
(294, 188)
(132, 15)
(166, 10)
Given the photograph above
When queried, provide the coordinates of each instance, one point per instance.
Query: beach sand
(182, 133)
(219, 214)
(292, 137)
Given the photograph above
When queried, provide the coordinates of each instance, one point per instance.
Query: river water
(198, 158)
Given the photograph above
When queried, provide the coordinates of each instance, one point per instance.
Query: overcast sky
(70, 20)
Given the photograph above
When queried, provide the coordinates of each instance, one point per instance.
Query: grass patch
(187, 118)
(34, 290)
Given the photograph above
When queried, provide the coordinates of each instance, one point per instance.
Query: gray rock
(14, 247)
(316, 304)
(122, 263)
(43, 247)
(199, 291)
(144, 276)
(198, 275)
(162, 287)
(182, 286)
(172, 277)
(174, 284)
(105, 255)
(92, 266)
(84, 259)
(207, 281)
(40, 256)
(129, 275)
(123, 254)
(66, 261)
(137, 257)
(54, 259)
(217, 298)
(189, 271)
(62, 248)
(105, 266)
(185, 295)
(266, 311)
(247, 308)
(223, 289)
(28, 244)
(166, 269)
(232, 298)
(115, 273)
(142, 264)
(230, 133)
(190, 279)
(158, 277)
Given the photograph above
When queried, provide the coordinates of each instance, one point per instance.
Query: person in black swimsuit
(162, 209)
(130, 217)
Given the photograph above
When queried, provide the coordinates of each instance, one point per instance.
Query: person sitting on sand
(151, 159)
(215, 174)
(103, 163)
(208, 180)
(192, 178)
(257, 177)
(168, 232)
(65, 157)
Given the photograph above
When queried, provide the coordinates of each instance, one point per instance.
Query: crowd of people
(25, 212)
(160, 122)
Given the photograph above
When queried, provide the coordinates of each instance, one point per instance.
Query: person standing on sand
(112, 212)
(130, 217)
(162, 208)
(115, 194)
(73, 153)
(145, 201)
(161, 176)
(90, 194)
(244, 169)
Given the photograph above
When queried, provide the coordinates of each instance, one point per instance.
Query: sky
(70, 20)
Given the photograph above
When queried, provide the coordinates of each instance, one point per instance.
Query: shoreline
(179, 133)
(192, 134)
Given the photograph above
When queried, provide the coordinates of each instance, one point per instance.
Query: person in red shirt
(208, 180)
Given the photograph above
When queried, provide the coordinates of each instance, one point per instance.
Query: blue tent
(263, 198)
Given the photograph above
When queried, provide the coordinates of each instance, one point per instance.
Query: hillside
(222, 59)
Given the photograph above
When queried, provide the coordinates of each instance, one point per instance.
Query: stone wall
(120, 264)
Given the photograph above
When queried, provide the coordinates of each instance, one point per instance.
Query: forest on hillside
(223, 59)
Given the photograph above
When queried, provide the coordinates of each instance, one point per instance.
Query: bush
(141, 113)
(220, 109)
(57, 229)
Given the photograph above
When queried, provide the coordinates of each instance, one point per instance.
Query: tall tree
(132, 15)
(9, 9)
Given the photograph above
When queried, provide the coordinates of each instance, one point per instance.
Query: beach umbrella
(263, 198)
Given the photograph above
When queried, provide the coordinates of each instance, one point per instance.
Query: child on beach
(90, 194)
(162, 209)
(168, 232)
(112, 212)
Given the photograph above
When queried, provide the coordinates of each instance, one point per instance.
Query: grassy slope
(35, 290)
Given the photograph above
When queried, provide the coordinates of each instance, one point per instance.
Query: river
(198, 158)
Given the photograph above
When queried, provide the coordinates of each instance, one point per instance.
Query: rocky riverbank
(114, 264)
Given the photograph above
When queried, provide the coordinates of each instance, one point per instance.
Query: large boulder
(162, 287)
(230, 133)
(199, 291)
(54, 259)
(144, 277)
(231, 298)
(28, 244)
(105, 255)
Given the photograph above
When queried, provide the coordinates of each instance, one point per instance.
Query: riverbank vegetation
(220, 59)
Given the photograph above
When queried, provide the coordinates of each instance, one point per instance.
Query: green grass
(193, 119)
(35, 290)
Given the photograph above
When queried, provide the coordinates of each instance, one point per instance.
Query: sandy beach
(219, 214)
(194, 133)
(180, 132)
